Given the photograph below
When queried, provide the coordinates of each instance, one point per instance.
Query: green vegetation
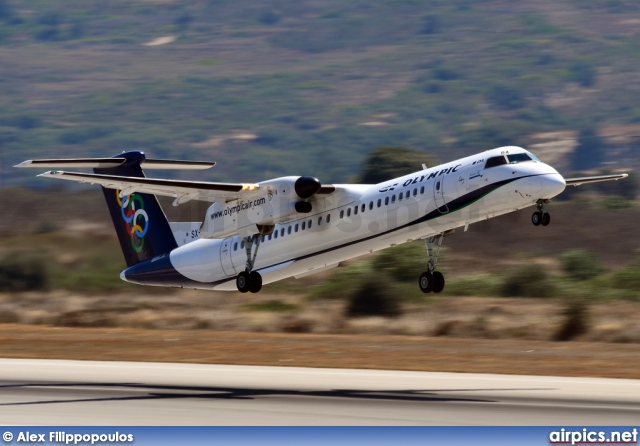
(576, 321)
(318, 85)
(275, 306)
(374, 297)
(394, 272)
(580, 265)
(385, 163)
(527, 280)
(23, 271)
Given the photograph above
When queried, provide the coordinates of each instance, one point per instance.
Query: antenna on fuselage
(424, 166)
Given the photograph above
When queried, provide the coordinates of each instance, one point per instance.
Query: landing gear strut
(540, 217)
(432, 280)
(249, 280)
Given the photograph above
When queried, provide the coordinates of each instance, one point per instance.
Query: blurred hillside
(286, 87)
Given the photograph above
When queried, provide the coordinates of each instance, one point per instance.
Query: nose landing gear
(540, 217)
(432, 280)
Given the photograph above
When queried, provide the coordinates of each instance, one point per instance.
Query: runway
(48, 392)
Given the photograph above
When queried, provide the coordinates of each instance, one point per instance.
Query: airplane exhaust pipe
(305, 187)
(303, 207)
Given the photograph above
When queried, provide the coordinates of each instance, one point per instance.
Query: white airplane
(255, 234)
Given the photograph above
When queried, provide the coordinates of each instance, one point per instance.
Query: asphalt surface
(53, 392)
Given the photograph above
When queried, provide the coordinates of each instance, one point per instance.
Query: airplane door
(225, 258)
(438, 193)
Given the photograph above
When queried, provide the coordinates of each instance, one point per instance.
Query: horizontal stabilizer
(107, 163)
(596, 179)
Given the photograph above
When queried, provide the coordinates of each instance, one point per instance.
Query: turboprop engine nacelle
(274, 201)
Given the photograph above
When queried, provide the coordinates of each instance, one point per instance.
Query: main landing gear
(432, 280)
(540, 217)
(249, 280)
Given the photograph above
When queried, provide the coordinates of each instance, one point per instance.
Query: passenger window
(296, 228)
(328, 218)
(415, 192)
(422, 190)
(393, 198)
(319, 221)
(438, 185)
(355, 210)
(379, 202)
(235, 246)
(400, 196)
(270, 236)
(309, 224)
(289, 230)
(342, 214)
(362, 208)
(275, 234)
(242, 245)
(386, 201)
(303, 224)
(371, 205)
(349, 212)
(262, 240)
(495, 161)
(408, 194)
(282, 232)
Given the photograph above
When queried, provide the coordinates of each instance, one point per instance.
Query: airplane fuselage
(359, 219)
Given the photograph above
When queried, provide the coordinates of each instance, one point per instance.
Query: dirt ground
(314, 350)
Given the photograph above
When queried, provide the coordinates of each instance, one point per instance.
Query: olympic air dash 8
(254, 234)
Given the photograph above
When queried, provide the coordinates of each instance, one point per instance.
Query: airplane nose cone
(553, 184)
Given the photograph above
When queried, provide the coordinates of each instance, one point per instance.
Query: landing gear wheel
(243, 282)
(438, 282)
(255, 282)
(546, 219)
(426, 282)
(536, 218)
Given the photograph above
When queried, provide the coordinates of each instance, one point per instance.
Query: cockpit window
(535, 158)
(519, 158)
(495, 161)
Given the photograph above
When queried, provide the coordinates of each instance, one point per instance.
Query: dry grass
(452, 317)
(314, 350)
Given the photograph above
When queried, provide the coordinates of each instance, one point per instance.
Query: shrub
(528, 280)
(431, 24)
(343, 283)
(627, 278)
(590, 151)
(580, 265)
(23, 271)
(374, 296)
(478, 285)
(576, 322)
(269, 18)
(506, 97)
(582, 72)
(403, 263)
(276, 306)
(616, 202)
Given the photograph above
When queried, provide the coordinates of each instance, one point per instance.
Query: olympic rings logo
(135, 217)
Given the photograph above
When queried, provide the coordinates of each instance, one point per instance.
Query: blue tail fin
(141, 225)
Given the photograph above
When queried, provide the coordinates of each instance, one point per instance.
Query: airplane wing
(181, 190)
(596, 179)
